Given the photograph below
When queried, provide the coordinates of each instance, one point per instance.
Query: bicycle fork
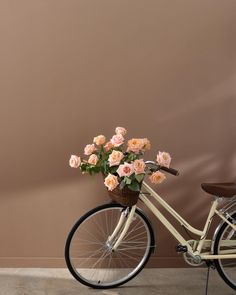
(118, 234)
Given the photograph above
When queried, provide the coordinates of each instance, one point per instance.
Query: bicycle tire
(228, 274)
(97, 281)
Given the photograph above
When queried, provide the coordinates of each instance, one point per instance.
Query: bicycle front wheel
(225, 243)
(89, 257)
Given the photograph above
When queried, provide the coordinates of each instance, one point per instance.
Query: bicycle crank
(193, 260)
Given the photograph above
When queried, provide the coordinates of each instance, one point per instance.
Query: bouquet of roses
(122, 165)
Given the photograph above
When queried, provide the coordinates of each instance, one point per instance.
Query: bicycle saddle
(226, 189)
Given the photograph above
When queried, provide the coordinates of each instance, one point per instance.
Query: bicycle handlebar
(158, 167)
(170, 170)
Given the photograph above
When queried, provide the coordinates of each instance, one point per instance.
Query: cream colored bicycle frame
(226, 254)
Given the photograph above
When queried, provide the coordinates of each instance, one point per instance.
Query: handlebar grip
(170, 170)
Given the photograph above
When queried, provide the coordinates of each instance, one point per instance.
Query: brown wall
(70, 70)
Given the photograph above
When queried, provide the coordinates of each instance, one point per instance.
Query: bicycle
(111, 244)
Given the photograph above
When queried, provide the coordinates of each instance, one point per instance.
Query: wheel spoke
(225, 244)
(90, 258)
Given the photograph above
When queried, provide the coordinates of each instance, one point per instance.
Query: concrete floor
(148, 282)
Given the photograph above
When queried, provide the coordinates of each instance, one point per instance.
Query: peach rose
(121, 130)
(157, 177)
(146, 144)
(89, 149)
(115, 157)
(74, 161)
(111, 182)
(117, 140)
(93, 159)
(108, 146)
(125, 170)
(135, 145)
(139, 166)
(163, 159)
(99, 140)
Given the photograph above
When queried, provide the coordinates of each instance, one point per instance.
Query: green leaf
(132, 177)
(83, 167)
(113, 169)
(96, 169)
(118, 148)
(106, 157)
(127, 180)
(104, 167)
(91, 169)
(122, 184)
(139, 177)
(132, 156)
(134, 187)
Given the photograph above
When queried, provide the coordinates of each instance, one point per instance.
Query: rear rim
(89, 256)
(226, 267)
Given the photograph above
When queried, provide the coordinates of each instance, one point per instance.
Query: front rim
(90, 257)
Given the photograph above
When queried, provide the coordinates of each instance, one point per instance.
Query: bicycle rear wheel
(226, 267)
(89, 257)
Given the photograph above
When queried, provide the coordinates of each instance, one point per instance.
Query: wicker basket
(125, 197)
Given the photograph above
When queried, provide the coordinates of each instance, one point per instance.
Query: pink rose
(89, 149)
(163, 159)
(157, 177)
(108, 146)
(111, 182)
(121, 130)
(117, 140)
(135, 145)
(139, 166)
(125, 170)
(74, 161)
(115, 157)
(93, 159)
(99, 140)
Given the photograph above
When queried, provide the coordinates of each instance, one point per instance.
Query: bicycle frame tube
(126, 227)
(183, 222)
(165, 222)
(202, 234)
(119, 225)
